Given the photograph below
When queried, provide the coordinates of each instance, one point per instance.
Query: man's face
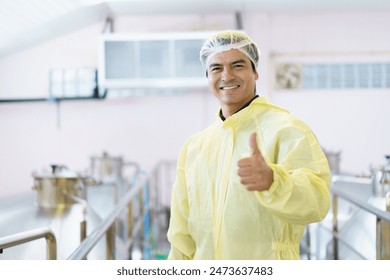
(231, 80)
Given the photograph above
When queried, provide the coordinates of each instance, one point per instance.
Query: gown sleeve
(300, 191)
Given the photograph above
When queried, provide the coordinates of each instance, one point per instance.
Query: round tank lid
(57, 171)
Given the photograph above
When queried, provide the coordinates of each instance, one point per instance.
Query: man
(248, 184)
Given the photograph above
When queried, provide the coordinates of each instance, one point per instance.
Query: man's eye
(215, 69)
(238, 66)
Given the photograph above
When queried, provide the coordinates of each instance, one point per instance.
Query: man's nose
(227, 75)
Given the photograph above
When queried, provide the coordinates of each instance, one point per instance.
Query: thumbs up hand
(253, 170)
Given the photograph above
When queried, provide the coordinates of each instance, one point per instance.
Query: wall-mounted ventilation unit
(332, 76)
(331, 71)
(151, 60)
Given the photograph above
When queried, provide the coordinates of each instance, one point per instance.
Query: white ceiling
(24, 23)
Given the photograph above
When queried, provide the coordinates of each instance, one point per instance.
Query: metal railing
(108, 226)
(31, 235)
(381, 216)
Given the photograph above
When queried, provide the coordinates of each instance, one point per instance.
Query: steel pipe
(27, 236)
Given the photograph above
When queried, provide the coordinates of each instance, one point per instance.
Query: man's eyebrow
(214, 64)
(239, 61)
(233, 63)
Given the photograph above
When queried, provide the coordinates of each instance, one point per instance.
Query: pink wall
(351, 121)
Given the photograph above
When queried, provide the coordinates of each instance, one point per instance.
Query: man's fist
(253, 170)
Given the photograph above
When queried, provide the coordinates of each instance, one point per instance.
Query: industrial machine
(358, 224)
(67, 207)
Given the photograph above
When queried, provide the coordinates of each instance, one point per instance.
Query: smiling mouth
(229, 87)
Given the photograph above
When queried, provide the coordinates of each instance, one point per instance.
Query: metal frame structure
(381, 217)
(108, 227)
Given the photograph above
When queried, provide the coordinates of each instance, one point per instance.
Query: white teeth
(231, 87)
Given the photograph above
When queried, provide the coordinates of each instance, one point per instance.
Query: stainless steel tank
(59, 188)
(107, 168)
(59, 203)
(115, 177)
(381, 178)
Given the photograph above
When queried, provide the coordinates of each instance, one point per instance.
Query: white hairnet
(228, 40)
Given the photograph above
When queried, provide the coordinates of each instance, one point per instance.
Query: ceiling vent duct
(151, 60)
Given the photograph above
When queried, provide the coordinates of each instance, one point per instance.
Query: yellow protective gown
(213, 216)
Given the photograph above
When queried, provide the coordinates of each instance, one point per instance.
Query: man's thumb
(253, 144)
